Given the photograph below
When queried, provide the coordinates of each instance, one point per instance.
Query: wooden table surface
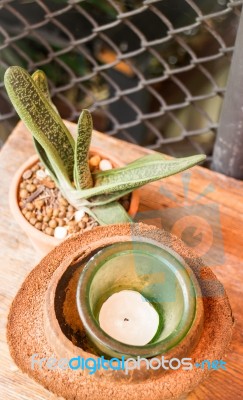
(221, 212)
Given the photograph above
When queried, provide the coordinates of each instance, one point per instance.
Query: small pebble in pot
(40, 174)
(38, 225)
(75, 229)
(60, 232)
(78, 215)
(35, 168)
(30, 206)
(82, 224)
(48, 184)
(35, 181)
(44, 226)
(85, 218)
(49, 211)
(53, 223)
(105, 165)
(33, 220)
(49, 231)
(27, 174)
(94, 161)
(22, 185)
(23, 194)
(39, 203)
(63, 201)
(71, 224)
(31, 188)
(61, 222)
(55, 212)
(69, 215)
(28, 215)
(24, 211)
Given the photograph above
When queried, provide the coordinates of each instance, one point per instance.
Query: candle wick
(126, 319)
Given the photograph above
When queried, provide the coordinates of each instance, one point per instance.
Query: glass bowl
(155, 271)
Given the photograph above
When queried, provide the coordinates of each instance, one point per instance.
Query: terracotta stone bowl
(44, 320)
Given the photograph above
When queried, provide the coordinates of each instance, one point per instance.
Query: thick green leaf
(82, 174)
(43, 122)
(112, 213)
(108, 198)
(39, 77)
(45, 160)
(148, 157)
(137, 174)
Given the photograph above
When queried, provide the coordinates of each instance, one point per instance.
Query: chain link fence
(152, 72)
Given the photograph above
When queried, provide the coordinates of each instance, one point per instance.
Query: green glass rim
(184, 275)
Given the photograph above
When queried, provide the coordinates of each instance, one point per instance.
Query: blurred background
(152, 72)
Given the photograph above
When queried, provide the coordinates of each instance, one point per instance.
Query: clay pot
(44, 321)
(41, 242)
(64, 326)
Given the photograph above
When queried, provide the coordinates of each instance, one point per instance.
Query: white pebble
(47, 172)
(60, 232)
(40, 174)
(105, 165)
(78, 215)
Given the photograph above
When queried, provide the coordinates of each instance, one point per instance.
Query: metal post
(228, 149)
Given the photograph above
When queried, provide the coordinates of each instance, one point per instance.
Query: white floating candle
(129, 318)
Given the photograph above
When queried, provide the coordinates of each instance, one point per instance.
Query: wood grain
(168, 201)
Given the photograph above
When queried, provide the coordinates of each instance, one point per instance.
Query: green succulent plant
(66, 159)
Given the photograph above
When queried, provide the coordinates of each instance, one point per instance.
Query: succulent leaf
(107, 198)
(43, 122)
(44, 159)
(138, 173)
(112, 213)
(82, 174)
(39, 77)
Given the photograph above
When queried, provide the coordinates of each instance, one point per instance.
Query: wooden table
(17, 257)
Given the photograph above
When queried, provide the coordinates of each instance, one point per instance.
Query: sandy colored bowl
(41, 242)
(63, 325)
(41, 318)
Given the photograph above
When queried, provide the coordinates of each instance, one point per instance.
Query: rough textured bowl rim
(152, 349)
(27, 323)
(64, 347)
